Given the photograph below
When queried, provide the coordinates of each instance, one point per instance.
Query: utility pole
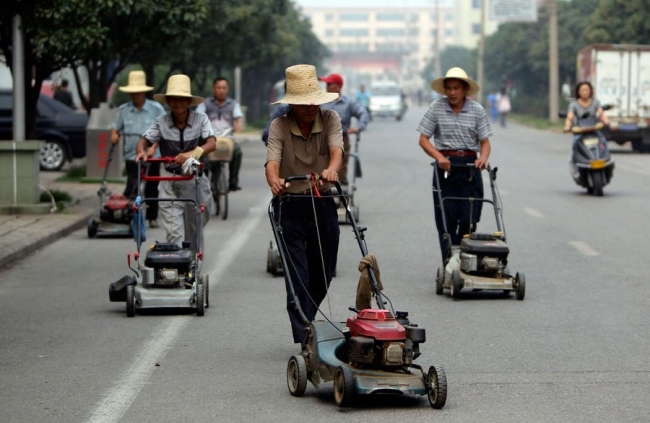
(481, 51)
(553, 71)
(438, 63)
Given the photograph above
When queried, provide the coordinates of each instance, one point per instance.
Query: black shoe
(234, 187)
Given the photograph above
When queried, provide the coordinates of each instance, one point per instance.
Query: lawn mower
(115, 210)
(371, 353)
(170, 276)
(480, 262)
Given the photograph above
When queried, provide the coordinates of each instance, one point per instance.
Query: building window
(390, 32)
(329, 32)
(353, 47)
(434, 17)
(414, 32)
(353, 17)
(392, 17)
(476, 29)
(353, 32)
(449, 17)
(449, 32)
(329, 17)
(476, 4)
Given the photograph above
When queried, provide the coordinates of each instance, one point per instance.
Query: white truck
(620, 75)
(386, 100)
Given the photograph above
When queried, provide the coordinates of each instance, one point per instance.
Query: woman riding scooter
(591, 163)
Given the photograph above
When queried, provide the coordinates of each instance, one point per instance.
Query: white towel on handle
(188, 166)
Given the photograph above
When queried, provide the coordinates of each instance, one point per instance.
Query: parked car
(62, 129)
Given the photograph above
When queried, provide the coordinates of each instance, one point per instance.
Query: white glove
(189, 166)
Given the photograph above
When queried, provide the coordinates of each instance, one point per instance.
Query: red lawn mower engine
(118, 209)
(378, 340)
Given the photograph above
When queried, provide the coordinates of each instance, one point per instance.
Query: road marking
(121, 396)
(632, 169)
(532, 212)
(584, 248)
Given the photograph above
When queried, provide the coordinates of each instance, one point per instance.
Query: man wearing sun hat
(347, 108)
(183, 134)
(460, 129)
(133, 119)
(307, 140)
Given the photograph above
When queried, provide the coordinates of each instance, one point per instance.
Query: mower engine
(118, 209)
(378, 340)
(483, 253)
(168, 264)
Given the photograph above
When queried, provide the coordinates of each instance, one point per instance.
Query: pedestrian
(132, 121)
(64, 95)
(307, 140)
(492, 106)
(363, 97)
(460, 129)
(347, 108)
(224, 114)
(503, 104)
(280, 110)
(181, 133)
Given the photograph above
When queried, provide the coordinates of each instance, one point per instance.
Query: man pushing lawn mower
(183, 134)
(307, 140)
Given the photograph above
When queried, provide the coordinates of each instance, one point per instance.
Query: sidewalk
(24, 234)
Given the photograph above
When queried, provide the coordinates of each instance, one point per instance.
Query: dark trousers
(235, 165)
(309, 275)
(460, 182)
(343, 173)
(150, 187)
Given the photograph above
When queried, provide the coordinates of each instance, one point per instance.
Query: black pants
(309, 275)
(461, 218)
(150, 187)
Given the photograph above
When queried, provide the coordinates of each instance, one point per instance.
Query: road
(574, 350)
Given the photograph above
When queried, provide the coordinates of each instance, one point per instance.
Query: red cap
(332, 78)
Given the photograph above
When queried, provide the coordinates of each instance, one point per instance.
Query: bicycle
(218, 166)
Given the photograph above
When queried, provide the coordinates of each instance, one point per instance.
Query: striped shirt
(172, 140)
(348, 108)
(452, 131)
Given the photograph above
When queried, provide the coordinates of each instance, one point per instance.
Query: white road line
(632, 169)
(584, 248)
(119, 398)
(532, 212)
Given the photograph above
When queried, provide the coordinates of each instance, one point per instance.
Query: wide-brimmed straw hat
(438, 85)
(303, 87)
(137, 83)
(179, 86)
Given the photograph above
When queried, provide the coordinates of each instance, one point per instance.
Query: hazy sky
(372, 3)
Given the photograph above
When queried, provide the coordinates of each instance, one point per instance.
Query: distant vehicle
(386, 100)
(62, 129)
(619, 75)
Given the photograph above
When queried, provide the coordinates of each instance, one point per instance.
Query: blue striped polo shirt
(452, 131)
(172, 140)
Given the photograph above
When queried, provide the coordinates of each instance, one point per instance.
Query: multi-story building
(394, 42)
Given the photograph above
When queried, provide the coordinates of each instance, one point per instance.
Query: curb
(29, 248)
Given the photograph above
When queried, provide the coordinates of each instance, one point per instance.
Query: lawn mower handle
(165, 160)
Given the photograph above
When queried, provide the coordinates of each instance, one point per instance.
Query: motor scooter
(591, 163)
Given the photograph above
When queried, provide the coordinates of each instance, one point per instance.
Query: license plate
(590, 141)
(598, 164)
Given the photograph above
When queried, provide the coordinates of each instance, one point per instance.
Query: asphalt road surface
(576, 349)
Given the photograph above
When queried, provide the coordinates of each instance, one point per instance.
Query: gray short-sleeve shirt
(172, 140)
(451, 131)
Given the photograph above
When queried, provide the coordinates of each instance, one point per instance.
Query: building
(394, 42)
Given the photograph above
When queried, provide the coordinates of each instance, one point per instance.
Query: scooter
(591, 163)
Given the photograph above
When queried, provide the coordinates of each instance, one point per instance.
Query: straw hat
(137, 83)
(438, 85)
(303, 87)
(179, 86)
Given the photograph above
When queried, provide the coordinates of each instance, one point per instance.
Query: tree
(619, 22)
